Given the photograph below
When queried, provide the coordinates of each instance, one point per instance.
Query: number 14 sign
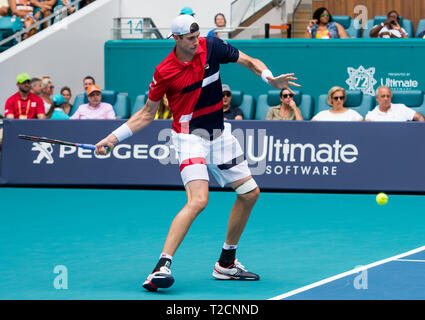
(131, 28)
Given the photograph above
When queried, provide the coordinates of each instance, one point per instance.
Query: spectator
(47, 89)
(65, 3)
(229, 112)
(390, 28)
(220, 22)
(24, 104)
(24, 10)
(4, 8)
(87, 82)
(322, 26)
(421, 35)
(57, 109)
(95, 109)
(187, 10)
(336, 98)
(287, 110)
(36, 86)
(66, 93)
(164, 110)
(387, 111)
(43, 9)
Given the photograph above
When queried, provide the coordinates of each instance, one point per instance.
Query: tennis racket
(55, 141)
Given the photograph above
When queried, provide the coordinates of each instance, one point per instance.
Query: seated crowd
(35, 99)
(31, 11)
(323, 26)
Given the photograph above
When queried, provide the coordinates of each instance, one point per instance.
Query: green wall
(319, 65)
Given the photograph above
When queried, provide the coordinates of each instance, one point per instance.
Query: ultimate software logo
(362, 79)
(45, 151)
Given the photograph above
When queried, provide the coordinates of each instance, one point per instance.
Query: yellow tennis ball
(381, 198)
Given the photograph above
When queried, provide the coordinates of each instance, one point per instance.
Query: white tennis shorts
(223, 156)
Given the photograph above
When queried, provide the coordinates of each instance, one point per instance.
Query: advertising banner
(282, 155)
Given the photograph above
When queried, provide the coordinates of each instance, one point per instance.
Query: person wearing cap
(57, 111)
(95, 109)
(187, 10)
(190, 77)
(229, 112)
(24, 104)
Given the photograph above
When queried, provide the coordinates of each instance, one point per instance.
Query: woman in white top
(390, 28)
(47, 89)
(336, 98)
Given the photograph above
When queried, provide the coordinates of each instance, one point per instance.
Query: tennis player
(190, 77)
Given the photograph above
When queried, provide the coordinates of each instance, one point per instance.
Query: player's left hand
(283, 81)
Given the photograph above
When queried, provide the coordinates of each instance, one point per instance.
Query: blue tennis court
(109, 240)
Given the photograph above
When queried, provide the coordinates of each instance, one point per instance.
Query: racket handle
(90, 146)
(86, 146)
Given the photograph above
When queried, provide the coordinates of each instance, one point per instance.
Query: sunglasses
(286, 95)
(324, 15)
(339, 98)
(227, 94)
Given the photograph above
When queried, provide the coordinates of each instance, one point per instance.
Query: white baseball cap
(184, 24)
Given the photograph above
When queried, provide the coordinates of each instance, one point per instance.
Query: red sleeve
(8, 108)
(40, 106)
(158, 87)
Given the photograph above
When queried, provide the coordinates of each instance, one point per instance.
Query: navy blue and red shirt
(193, 89)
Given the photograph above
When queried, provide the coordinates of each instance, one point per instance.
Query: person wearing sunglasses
(229, 112)
(323, 27)
(390, 28)
(336, 99)
(287, 110)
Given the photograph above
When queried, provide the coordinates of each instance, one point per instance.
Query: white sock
(166, 256)
(229, 246)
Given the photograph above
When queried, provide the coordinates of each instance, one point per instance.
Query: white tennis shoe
(159, 279)
(236, 271)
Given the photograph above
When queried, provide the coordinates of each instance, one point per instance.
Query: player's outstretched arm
(260, 69)
(137, 122)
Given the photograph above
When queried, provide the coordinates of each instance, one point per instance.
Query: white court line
(408, 260)
(342, 275)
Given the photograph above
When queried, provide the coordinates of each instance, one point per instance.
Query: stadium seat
(139, 103)
(356, 100)
(303, 101)
(120, 102)
(245, 102)
(8, 27)
(352, 26)
(406, 24)
(420, 27)
(414, 99)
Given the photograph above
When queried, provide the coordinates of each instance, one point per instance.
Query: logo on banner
(361, 79)
(44, 150)
(399, 81)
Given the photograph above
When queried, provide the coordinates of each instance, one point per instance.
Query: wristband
(309, 29)
(266, 73)
(122, 132)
